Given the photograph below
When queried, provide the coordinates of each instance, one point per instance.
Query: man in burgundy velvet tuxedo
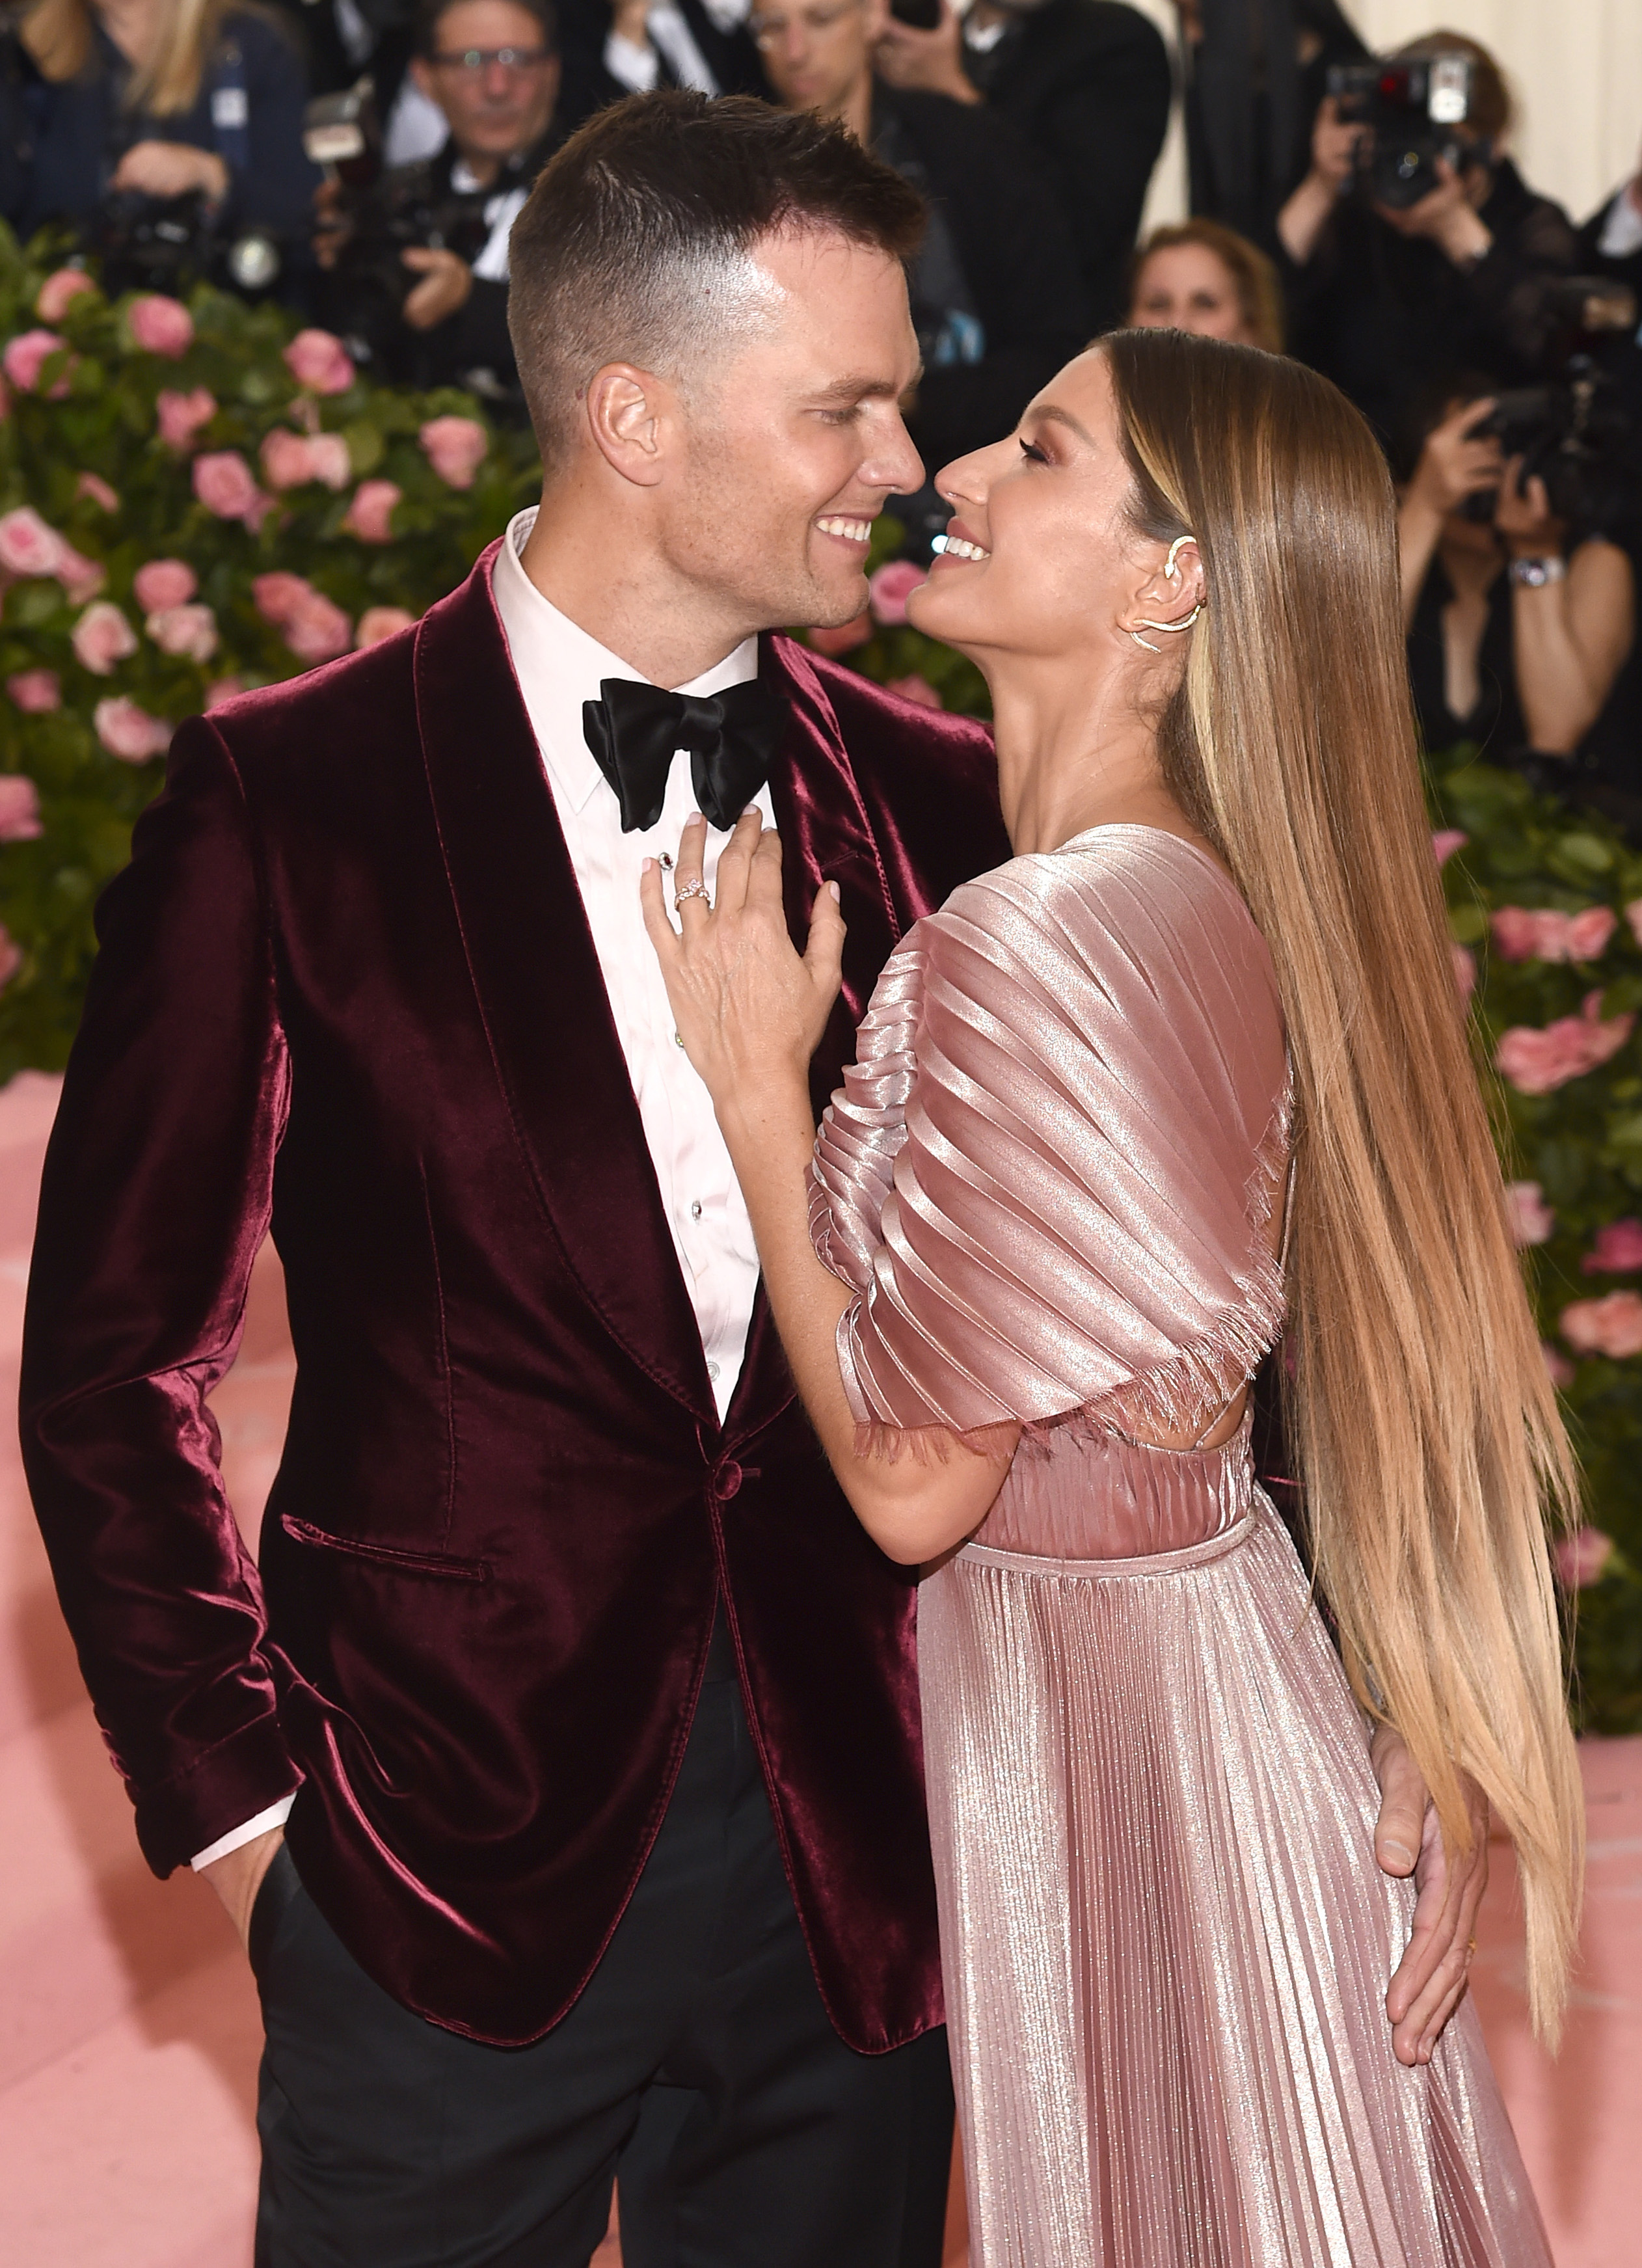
(588, 1710)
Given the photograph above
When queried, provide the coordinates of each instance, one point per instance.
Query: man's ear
(422, 78)
(628, 415)
(1162, 597)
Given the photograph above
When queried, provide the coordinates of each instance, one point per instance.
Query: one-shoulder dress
(1050, 1180)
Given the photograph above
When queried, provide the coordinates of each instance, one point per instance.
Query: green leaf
(366, 446)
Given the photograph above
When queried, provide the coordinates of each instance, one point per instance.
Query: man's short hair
(431, 14)
(637, 244)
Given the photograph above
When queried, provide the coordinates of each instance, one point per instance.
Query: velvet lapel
(540, 990)
(825, 836)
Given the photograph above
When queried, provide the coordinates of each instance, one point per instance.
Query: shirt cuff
(633, 67)
(276, 1816)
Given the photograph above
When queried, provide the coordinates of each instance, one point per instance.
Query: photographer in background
(1086, 85)
(167, 129)
(997, 300)
(1521, 628)
(1385, 298)
(433, 311)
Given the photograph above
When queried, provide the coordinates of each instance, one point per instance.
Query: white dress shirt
(558, 666)
(1622, 225)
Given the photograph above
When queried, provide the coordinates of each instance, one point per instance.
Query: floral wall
(196, 499)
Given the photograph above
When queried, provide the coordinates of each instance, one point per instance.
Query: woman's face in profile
(1187, 288)
(1039, 554)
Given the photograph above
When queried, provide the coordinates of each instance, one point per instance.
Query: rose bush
(159, 466)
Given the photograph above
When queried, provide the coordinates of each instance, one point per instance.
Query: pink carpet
(129, 2030)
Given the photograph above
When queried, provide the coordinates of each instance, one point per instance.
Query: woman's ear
(1172, 592)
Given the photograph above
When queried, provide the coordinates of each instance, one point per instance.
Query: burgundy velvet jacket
(346, 989)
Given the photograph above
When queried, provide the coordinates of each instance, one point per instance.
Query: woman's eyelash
(1031, 449)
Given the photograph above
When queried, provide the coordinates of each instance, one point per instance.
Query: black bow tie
(636, 730)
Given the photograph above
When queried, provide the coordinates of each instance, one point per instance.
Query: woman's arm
(1569, 638)
(1302, 223)
(750, 1012)
(1455, 462)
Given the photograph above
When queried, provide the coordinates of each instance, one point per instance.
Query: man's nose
(497, 82)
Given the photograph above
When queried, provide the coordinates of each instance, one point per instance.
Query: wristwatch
(1534, 574)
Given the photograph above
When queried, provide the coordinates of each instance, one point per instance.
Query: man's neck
(635, 605)
(483, 165)
(856, 109)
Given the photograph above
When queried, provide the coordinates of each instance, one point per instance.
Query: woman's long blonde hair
(1428, 1441)
(58, 36)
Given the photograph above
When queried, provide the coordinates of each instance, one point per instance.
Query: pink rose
(59, 290)
(891, 586)
(318, 361)
(318, 629)
(277, 595)
(160, 325)
(1582, 1557)
(130, 732)
(1617, 1248)
(19, 808)
(370, 514)
(290, 461)
(1558, 1369)
(1532, 1220)
(26, 355)
(102, 636)
(378, 623)
(89, 485)
(455, 448)
(180, 416)
(845, 637)
(1464, 971)
(35, 690)
(161, 583)
(1633, 914)
(225, 485)
(11, 956)
(315, 627)
(1543, 934)
(221, 691)
(81, 577)
(1447, 841)
(28, 545)
(917, 690)
(1538, 1062)
(1611, 1326)
(188, 632)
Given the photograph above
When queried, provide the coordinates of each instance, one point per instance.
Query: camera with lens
(377, 215)
(1575, 432)
(1413, 108)
(165, 244)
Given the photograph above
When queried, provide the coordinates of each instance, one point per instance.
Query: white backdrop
(1575, 68)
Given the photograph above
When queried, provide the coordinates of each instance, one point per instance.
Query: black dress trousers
(698, 2066)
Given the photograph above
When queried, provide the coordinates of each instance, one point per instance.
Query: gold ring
(1470, 1945)
(695, 889)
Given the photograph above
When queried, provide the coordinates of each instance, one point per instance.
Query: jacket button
(727, 1481)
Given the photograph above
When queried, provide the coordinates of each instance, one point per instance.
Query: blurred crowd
(364, 160)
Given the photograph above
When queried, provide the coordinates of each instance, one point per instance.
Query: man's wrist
(274, 1815)
(1466, 239)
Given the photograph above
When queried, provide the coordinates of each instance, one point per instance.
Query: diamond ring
(696, 889)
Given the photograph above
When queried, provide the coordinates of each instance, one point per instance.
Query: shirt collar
(559, 666)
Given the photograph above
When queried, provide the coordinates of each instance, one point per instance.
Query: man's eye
(841, 416)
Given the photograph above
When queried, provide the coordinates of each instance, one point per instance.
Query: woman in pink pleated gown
(1188, 1065)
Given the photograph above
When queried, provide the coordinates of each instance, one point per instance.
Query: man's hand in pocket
(237, 1878)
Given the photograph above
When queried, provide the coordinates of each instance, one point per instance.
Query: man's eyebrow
(864, 389)
(1054, 416)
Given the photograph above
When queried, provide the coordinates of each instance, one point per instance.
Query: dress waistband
(1093, 1570)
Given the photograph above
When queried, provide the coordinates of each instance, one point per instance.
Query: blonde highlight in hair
(1429, 1443)
(58, 36)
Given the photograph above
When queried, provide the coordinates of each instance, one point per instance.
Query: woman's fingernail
(646, 866)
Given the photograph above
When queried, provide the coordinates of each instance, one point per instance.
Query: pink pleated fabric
(1050, 1180)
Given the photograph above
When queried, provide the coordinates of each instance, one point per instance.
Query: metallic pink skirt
(1166, 1940)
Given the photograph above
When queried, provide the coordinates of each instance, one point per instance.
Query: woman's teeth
(853, 531)
(954, 547)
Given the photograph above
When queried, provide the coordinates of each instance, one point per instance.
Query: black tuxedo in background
(1086, 84)
(584, 26)
(1014, 251)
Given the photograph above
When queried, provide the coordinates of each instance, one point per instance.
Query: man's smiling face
(793, 442)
